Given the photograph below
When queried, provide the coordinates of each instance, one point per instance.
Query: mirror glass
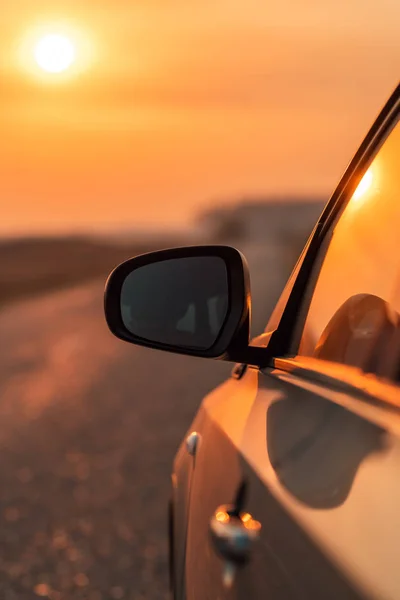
(180, 302)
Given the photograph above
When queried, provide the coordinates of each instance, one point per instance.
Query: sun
(55, 53)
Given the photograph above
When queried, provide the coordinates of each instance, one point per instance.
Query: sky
(176, 105)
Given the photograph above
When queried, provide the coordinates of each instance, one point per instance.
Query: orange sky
(181, 103)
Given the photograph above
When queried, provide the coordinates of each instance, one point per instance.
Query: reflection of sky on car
(188, 321)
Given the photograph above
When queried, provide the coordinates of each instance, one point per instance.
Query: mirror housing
(153, 284)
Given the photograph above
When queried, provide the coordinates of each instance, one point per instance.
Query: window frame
(285, 340)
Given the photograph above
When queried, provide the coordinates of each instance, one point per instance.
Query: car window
(354, 315)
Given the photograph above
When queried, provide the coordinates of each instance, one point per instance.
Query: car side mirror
(193, 300)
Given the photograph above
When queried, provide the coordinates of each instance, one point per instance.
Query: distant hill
(31, 266)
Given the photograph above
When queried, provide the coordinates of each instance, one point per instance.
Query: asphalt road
(88, 429)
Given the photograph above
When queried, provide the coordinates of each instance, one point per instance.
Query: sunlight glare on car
(363, 186)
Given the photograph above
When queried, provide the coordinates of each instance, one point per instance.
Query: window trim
(342, 379)
(286, 339)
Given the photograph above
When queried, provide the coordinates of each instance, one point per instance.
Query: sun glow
(363, 186)
(55, 53)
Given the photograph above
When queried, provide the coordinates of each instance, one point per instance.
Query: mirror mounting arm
(254, 356)
(257, 355)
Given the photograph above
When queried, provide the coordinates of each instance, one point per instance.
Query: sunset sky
(173, 105)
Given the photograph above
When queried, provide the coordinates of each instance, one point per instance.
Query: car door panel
(217, 478)
(336, 473)
(321, 479)
(232, 422)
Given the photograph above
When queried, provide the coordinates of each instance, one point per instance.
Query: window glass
(354, 316)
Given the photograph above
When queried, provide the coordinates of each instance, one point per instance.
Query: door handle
(233, 534)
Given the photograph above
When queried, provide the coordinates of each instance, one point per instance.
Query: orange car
(287, 484)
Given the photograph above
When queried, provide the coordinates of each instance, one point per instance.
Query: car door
(286, 563)
(312, 441)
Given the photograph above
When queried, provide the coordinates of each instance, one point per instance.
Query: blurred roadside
(32, 266)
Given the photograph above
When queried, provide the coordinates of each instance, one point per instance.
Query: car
(286, 485)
